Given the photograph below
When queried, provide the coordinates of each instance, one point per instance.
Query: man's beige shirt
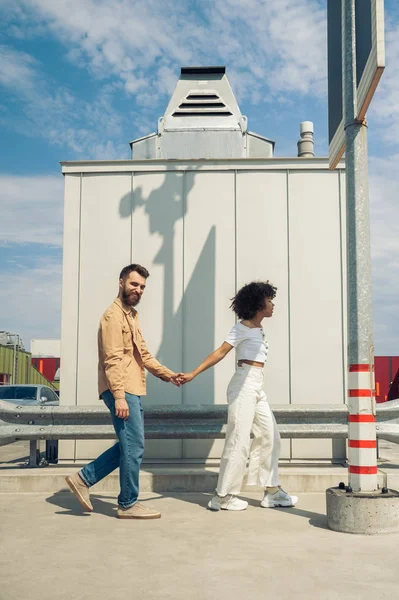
(123, 354)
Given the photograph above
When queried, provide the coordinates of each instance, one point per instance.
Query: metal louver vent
(202, 97)
(199, 105)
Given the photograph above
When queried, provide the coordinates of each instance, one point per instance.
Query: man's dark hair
(130, 268)
(251, 298)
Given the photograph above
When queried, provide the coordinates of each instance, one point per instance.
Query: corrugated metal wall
(26, 372)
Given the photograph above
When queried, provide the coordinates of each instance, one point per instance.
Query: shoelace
(228, 498)
(280, 491)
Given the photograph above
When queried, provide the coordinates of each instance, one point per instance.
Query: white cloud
(54, 113)
(17, 68)
(30, 300)
(279, 44)
(272, 49)
(30, 280)
(31, 210)
(135, 48)
(385, 106)
(141, 42)
(384, 216)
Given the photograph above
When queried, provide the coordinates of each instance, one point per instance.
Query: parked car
(33, 395)
(29, 395)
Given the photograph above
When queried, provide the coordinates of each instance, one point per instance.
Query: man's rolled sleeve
(112, 346)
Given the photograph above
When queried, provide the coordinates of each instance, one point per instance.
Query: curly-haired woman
(248, 408)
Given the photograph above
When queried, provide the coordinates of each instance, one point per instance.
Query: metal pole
(362, 452)
(33, 453)
(14, 360)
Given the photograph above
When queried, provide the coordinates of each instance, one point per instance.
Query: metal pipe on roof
(306, 143)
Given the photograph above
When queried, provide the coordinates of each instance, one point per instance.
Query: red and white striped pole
(362, 452)
(362, 446)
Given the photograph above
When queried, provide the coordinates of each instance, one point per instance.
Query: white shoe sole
(279, 504)
(217, 508)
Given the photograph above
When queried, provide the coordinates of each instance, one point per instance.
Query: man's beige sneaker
(137, 511)
(80, 489)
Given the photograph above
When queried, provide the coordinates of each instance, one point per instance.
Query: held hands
(175, 380)
(183, 378)
(172, 379)
(179, 379)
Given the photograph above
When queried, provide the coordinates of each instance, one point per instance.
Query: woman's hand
(183, 378)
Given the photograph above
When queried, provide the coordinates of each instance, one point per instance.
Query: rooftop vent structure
(203, 99)
(202, 120)
(306, 143)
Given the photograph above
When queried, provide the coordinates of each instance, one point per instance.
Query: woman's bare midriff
(253, 363)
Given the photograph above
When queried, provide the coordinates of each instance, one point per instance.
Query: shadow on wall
(188, 331)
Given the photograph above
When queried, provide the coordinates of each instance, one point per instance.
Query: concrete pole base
(367, 513)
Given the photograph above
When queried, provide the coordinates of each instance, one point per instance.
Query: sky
(79, 79)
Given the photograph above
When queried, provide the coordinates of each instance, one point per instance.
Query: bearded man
(122, 358)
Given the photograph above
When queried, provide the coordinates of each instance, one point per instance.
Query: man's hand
(121, 408)
(183, 378)
(174, 379)
(171, 379)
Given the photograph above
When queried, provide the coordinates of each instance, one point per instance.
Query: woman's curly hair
(251, 298)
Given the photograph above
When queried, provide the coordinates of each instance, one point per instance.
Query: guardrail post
(33, 451)
(52, 451)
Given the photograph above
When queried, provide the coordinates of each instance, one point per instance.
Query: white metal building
(205, 206)
(43, 347)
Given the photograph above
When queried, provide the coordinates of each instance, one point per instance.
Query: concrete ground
(51, 550)
(15, 453)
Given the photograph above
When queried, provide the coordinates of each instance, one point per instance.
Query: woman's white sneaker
(279, 498)
(228, 502)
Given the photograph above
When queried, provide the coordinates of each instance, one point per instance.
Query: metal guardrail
(179, 422)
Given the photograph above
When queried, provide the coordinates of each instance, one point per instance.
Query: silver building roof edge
(144, 137)
(262, 137)
(280, 162)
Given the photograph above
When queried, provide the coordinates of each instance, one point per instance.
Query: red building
(47, 365)
(386, 378)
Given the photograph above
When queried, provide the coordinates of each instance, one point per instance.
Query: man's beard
(130, 298)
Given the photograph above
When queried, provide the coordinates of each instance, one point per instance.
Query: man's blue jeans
(126, 454)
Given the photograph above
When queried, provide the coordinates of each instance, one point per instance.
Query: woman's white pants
(248, 410)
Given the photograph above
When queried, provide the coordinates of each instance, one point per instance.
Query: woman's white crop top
(250, 343)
